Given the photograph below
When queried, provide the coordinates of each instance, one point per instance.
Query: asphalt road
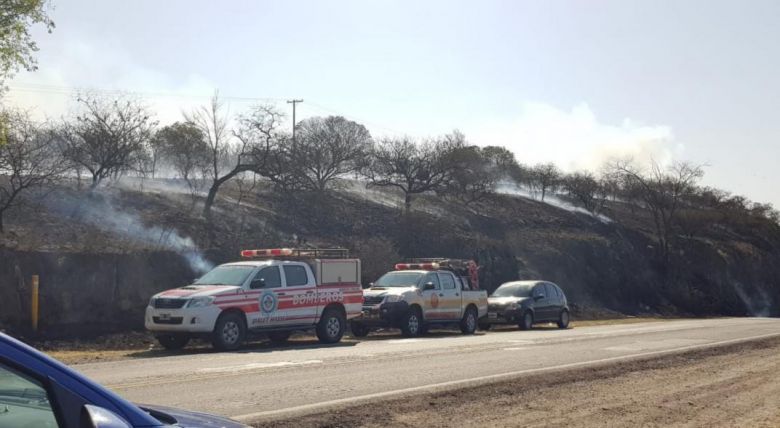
(301, 377)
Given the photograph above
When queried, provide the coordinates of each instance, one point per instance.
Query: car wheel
(279, 336)
(358, 329)
(468, 325)
(229, 332)
(563, 319)
(412, 324)
(331, 327)
(173, 342)
(527, 322)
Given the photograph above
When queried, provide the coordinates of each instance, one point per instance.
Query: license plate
(164, 316)
(492, 315)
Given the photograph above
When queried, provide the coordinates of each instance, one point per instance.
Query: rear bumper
(383, 315)
(184, 320)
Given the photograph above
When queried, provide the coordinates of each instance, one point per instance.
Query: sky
(570, 82)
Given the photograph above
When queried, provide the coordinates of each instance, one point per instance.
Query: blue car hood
(190, 419)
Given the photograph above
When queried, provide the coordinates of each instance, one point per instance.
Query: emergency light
(425, 266)
(267, 252)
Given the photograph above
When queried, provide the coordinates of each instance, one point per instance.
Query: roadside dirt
(735, 385)
(141, 344)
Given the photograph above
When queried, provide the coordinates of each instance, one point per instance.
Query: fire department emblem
(268, 302)
(435, 300)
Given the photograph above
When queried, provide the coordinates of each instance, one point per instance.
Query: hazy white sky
(572, 82)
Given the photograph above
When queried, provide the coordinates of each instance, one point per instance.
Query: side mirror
(538, 296)
(98, 417)
(429, 286)
(257, 283)
(194, 280)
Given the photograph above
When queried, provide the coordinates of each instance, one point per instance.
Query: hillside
(102, 255)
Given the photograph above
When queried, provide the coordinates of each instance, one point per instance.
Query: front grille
(495, 307)
(163, 303)
(372, 300)
(171, 320)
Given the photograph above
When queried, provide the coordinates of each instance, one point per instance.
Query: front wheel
(468, 325)
(527, 322)
(331, 327)
(563, 319)
(411, 325)
(173, 342)
(358, 329)
(229, 332)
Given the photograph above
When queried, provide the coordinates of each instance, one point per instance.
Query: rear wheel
(468, 325)
(173, 342)
(358, 329)
(229, 332)
(279, 336)
(527, 321)
(412, 324)
(563, 319)
(331, 327)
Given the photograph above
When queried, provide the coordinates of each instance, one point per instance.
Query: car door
(541, 303)
(268, 281)
(431, 298)
(554, 298)
(450, 296)
(298, 299)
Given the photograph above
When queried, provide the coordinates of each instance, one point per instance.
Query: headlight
(513, 305)
(199, 302)
(151, 302)
(394, 298)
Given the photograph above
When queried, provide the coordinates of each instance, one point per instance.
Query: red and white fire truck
(424, 293)
(273, 291)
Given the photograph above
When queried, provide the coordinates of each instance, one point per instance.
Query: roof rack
(313, 253)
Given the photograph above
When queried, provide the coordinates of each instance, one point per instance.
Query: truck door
(268, 281)
(299, 301)
(450, 302)
(431, 298)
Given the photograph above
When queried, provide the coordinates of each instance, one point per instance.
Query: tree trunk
(2, 229)
(407, 202)
(215, 188)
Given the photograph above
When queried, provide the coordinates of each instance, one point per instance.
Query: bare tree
(663, 191)
(107, 137)
(474, 175)
(545, 178)
(587, 190)
(184, 148)
(328, 148)
(413, 168)
(28, 158)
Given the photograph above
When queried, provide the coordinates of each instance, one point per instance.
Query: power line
(294, 102)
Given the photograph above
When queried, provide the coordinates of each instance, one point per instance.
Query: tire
(279, 336)
(229, 332)
(528, 321)
(563, 319)
(173, 342)
(332, 326)
(412, 323)
(468, 325)
(359, 330)
(485, 326)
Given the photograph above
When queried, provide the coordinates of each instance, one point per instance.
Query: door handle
(457, 294)
(282, 294)
(441, 295)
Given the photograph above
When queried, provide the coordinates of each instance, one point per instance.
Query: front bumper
(503, 316)
(383, 315)
(183, 320)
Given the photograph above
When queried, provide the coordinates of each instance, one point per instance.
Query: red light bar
(267, 252)
(426, 266)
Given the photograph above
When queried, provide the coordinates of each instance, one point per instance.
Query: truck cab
(417, 296)
(273, 292)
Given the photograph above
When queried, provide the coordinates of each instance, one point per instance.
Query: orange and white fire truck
(424, 293)
(273, 292)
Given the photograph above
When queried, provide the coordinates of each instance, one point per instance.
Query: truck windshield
(225, 275)
(514, 290)
(398, 279)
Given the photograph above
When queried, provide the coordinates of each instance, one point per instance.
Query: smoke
(549, 199)
(757, 306)
(99, 211)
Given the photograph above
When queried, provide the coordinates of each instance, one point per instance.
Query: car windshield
(226, 275)
(398, 279)
(513, 290)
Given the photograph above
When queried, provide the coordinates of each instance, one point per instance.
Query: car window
(295, 275)
(538, 290)
(447, 281)
(269, 277)
(432, 277)
(24, 401)
(550, 291)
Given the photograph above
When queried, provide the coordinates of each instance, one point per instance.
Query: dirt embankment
(728, 386)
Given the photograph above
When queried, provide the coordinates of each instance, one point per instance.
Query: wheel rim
(565, 318)
(414, 324)
(230, 332)
(333, 327)
(471, 321)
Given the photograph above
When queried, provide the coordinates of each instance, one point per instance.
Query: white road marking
(513, 349)
(255, 366)
(310, 408)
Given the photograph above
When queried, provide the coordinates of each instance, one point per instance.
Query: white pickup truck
(274, 292)
(427, 293)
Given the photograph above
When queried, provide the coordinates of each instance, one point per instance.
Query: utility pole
(294, 102)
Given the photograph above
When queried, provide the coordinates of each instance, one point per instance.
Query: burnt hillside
(102, 255)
